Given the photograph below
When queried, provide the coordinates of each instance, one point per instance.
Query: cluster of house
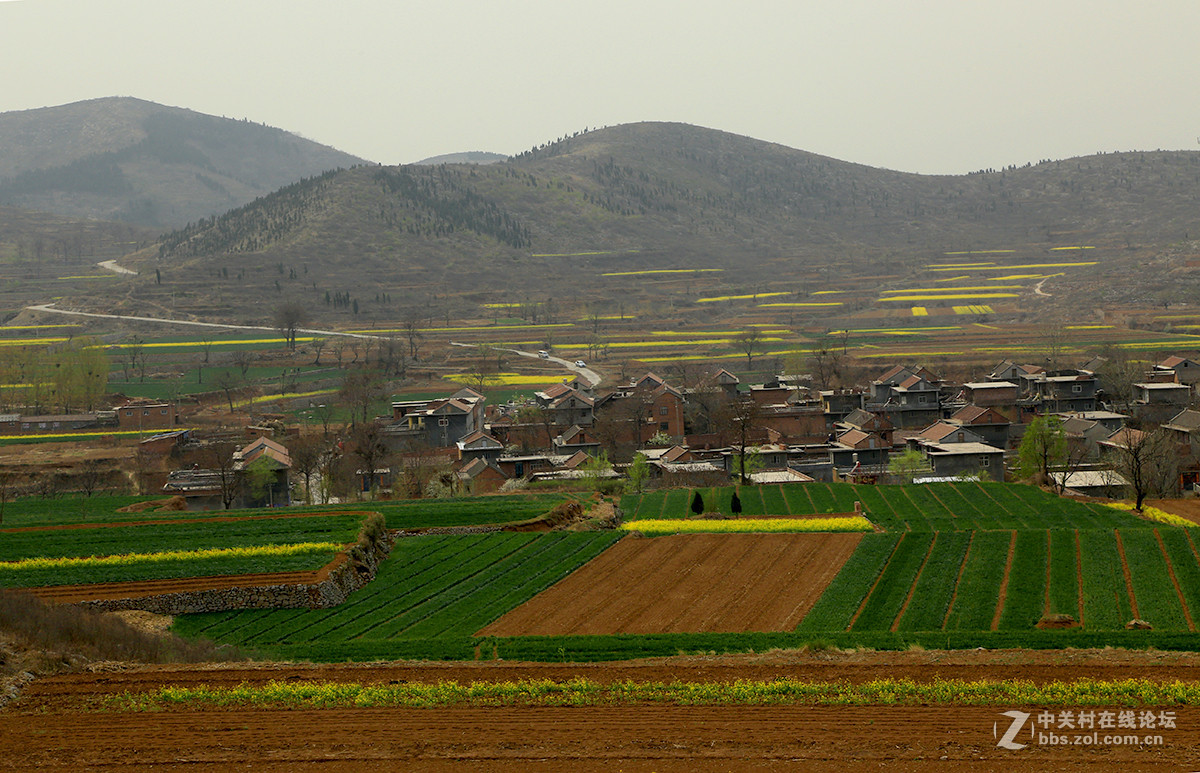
(796, 432)
(792, 431)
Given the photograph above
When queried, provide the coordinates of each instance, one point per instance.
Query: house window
(163, 411)
(985, 461)
(664, 426)
(443, 422)
(1077, 388)
(921, 398)
(662, 411)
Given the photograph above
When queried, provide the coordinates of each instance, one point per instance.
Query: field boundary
(1133, 604)
(1003, 595)
(1187, 614)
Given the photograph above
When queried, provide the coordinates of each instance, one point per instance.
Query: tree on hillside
(1043, 449)
(697, 503)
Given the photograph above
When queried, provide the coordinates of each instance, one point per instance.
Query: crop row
(744, 525)
(430, 587)
(177, 536)
(741, 692)
(1011, 580)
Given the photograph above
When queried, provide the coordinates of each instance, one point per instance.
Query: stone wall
(351, 570)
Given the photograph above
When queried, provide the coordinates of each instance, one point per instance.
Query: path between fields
(1037, 289)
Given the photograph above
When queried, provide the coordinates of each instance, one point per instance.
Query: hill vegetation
(661, 196)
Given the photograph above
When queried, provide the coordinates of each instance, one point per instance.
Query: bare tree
(219, 459)
(368, 447)
(227, 382)
(825, 362)
(289, 316)
(307, 453)
(1148, 461)
(748, 341)
(412, 330)
(318, 345)
(90, 476)
(744, 414)
(361, 388)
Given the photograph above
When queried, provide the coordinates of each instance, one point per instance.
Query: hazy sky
(932, 86)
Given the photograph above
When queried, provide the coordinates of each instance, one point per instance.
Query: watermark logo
(1083, 727)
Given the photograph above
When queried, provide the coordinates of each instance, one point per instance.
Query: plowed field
(52, 727)
(687, 582)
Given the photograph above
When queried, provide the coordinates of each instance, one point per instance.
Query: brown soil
(687, 582)
(50, 727)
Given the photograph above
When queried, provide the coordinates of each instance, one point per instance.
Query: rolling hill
(129, 160)
(654, 196)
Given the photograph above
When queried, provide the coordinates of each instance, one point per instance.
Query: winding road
(592, 377)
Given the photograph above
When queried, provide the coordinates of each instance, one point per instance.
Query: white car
(580, 364)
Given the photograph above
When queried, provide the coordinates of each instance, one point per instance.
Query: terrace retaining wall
(349, 571)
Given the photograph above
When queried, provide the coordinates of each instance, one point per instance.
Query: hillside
(134, 161)
(662, 196)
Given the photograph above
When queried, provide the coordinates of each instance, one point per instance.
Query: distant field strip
(714, 299)
(948, 297)
(941, 290)
(1027, 265)
(663, 271)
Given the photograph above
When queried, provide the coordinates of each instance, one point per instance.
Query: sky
(927, 86)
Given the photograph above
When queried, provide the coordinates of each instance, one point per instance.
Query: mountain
(654, 196)
(134, 161)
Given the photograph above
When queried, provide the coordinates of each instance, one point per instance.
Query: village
(906, 425)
